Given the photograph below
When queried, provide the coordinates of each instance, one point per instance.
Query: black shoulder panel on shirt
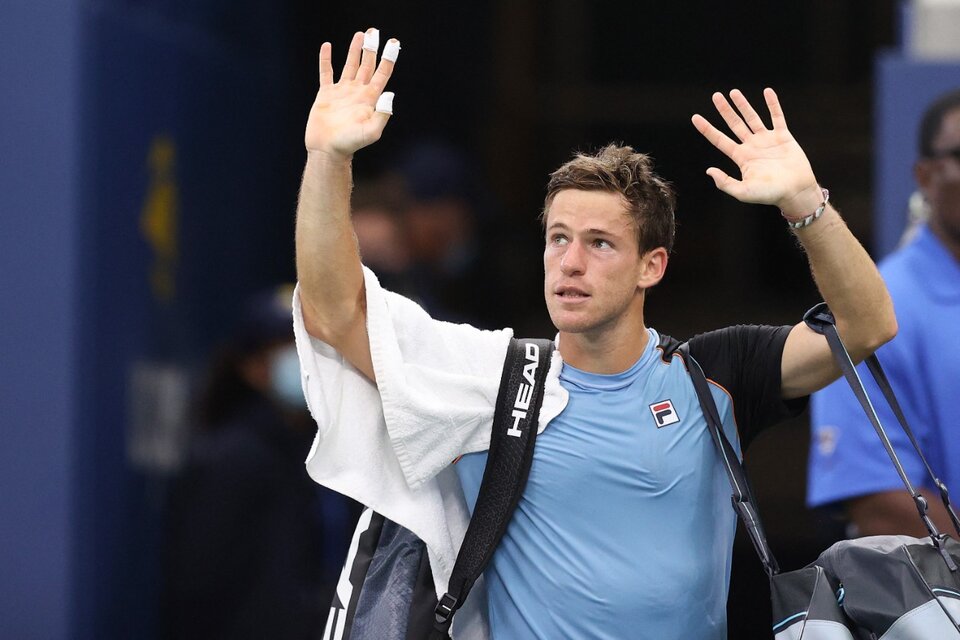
(668, 346)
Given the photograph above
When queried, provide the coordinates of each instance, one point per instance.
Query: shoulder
(729, 345)
(909, 284)
(744, 359)
(739, 343)
(913, 272)
(667, 346)
(900, 274)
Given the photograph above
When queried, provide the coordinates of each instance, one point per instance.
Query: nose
(572, 260)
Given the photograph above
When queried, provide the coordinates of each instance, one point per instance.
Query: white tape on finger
(385, 102)
(391, 50)
(371, 40)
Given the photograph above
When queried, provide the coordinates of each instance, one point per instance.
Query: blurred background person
(446, 219)
(253, 545)
(378, 207)
(848, 464)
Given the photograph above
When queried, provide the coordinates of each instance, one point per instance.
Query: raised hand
(773, 168)
(351, 113)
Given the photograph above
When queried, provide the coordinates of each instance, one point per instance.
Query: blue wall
(188, 197)
(148, 177)
(39, 217)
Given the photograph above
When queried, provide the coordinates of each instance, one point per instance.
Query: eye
(558, 239)
(600, 243)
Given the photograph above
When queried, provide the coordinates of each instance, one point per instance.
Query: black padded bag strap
(512, 441)
(743, 501)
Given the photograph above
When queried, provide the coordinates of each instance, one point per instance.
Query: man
(848, 464)
(625, 527)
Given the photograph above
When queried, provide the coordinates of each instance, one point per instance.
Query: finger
(730, 186)
(385, 103)
(731, 117)
(773, 104)
(371, 45)
(391, 51)
(326, 64)
(353, 58)
(379, 118)
(749, 115)
(716, 137)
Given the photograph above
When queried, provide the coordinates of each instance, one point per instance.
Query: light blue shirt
(923, 365)
(625, 528)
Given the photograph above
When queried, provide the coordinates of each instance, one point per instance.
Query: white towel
(390, 445)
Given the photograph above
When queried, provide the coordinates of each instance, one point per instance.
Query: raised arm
(346, 116)
(775, 170)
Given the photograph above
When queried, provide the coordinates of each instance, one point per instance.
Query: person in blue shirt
(625, 527)
(848, 464)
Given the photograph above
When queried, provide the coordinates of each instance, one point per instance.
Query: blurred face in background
(438, 228)
(274, 371)
(383, 244)
(939, 181)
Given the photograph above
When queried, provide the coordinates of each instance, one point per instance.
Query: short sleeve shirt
(625, 528)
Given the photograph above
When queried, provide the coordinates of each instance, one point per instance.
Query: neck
(605, 351)
(948, 239)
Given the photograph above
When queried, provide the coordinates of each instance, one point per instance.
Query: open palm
(773, 167)
(346, 115)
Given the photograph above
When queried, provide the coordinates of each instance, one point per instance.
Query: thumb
(725, 183)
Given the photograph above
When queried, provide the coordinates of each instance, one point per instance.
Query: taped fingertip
(385, 103)
(371, 40)
(391, 50)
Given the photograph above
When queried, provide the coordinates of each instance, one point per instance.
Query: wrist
(322, 165)
(811, 214)
(802, 203)
(332, 158)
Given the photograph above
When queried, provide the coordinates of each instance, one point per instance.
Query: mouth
(571, 294)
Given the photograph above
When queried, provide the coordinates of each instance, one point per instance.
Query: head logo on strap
(525, 392)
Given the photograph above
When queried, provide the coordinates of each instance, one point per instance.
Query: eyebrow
(591, 231)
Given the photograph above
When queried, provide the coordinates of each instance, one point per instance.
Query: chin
(571, 322)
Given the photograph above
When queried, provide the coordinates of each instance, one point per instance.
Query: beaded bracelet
(808, 220)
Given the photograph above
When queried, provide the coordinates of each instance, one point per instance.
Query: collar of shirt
(940, 270)
(614, 381)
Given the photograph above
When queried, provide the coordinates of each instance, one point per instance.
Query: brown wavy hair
(649, 199)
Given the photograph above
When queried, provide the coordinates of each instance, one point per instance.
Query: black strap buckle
(445, 608)
(818, 317)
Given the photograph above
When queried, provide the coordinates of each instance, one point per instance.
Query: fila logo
(525, 392)
(664, 413)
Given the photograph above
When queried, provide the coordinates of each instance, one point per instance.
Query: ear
(653, 264)
(923, 174)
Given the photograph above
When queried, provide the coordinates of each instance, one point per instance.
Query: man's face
(939, 180)
(592, 268)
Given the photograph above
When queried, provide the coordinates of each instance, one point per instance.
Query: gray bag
(880, 587)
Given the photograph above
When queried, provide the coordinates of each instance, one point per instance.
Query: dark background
(92, 89)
